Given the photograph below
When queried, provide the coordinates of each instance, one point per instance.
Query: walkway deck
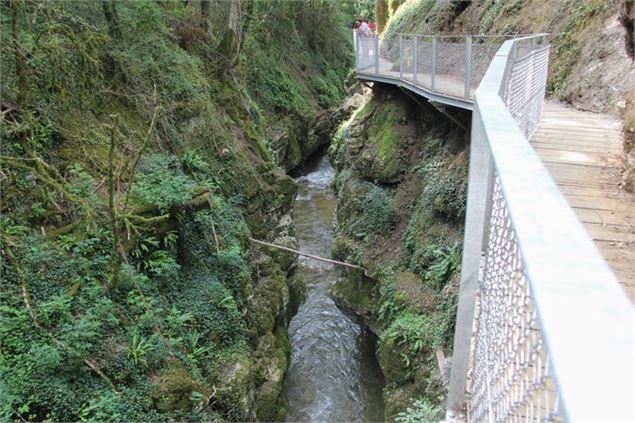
(444, 84)
(582, 152)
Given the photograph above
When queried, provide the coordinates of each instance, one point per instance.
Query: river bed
(333, 375)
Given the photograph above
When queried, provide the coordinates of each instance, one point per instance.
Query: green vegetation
(406, 232)
(136, 163)
(566, 46)
(421, 412)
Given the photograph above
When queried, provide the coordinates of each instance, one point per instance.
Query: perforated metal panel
(525, 84)
(510, 370)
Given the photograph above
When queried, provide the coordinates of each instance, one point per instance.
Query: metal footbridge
(544, 330)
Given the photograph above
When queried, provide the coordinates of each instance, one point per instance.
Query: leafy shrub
(410, 330)
(422, 411)
(162, 183)
(446, 192)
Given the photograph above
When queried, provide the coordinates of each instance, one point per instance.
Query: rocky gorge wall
(401, 191)
(137, 163)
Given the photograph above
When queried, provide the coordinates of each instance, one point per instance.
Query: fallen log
(300, 253)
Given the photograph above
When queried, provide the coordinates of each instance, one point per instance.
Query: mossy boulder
(286, 188)
(398, 397)
(376, 140)
(384, 145)
(297, 293)
(234, 378)
(356, 293)
(350, 194)
(284, 259)
(272, 361)
(174, 388)
(391, 360)
(268, 305)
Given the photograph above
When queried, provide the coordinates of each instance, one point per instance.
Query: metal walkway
(431, 66)
(544, 331)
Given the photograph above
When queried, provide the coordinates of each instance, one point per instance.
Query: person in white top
(364, 31)
(364, 28)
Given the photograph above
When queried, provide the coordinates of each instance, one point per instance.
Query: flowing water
(333, 375)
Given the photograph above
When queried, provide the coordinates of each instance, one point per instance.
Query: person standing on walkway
(364, 32)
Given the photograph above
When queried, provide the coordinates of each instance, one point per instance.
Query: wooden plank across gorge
(582, 151)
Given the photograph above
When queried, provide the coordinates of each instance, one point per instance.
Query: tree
(205, 14)
(20, 59)
(231, 43)
(393, 5)
(380, 14)
(110, 13)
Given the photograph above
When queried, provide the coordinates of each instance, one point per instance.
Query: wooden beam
(300, 253)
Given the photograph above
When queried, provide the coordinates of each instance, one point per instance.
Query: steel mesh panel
(480, 59)
(365, 55)
(389, 57)
(510, 370)
(407, 58)
(450, 68)
(424, 62)
(525, 86)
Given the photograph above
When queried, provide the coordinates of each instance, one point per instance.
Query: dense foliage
(135, 167)
(401, 198)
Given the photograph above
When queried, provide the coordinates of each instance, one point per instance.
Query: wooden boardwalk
(582, 152)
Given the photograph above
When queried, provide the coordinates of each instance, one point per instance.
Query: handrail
(443, 68)
(543, 328)
(555, 333)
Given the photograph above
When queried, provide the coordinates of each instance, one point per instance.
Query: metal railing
(544, 331)
(436, 64)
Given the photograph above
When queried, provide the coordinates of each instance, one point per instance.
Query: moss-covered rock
(297, 293)
(270, 300)
(174, 388)
(234, 377)
(398, 397)
(284, 259)
(401, 169)
(272, 361)
(356, 293)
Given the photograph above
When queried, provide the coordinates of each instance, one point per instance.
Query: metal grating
(526, 83)
(511, 374)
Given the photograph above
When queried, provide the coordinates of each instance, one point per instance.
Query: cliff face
(590, 64)
(402, 171)
(137, 162)
(401, 189)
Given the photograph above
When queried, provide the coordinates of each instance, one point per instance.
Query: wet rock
(235, 379)
(297, 294)
(272, 360)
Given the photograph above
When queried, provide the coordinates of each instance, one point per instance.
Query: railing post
(414, 59)
(480, 180)
(468, 61)
(376, 52)
(400, 56)
(434, 62)
(356, 50)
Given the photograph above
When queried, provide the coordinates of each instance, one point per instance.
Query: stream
(333, 375)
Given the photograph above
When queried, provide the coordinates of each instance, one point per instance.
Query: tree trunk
(380, 15)
(109, 8)
(393, 5)
(205, 14)
(230, 46)
(110, 13)
(20, 61)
